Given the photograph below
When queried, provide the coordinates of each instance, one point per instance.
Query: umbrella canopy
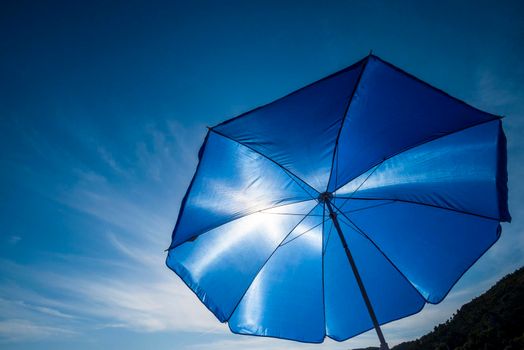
(347, 204)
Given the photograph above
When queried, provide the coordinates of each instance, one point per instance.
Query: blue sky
(103, 107)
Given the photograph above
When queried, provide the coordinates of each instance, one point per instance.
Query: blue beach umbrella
(344, 205)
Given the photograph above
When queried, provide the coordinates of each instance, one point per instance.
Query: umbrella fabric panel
(299, 131)
(285, 299)
(457, 171)
(232, 181)
(220, 265)
(390, 112)
(432, 247)
(391, 294)
(418, 180)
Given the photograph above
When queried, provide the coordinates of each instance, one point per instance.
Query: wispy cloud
(110, 160)
(22, 330)
(493, 93)
(133, 289)
(30, 321)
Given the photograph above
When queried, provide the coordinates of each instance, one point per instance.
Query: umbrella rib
(359, 230)
(238, 218)
(361, 184)
(303, 233)
(289, 173)
(407, 148)
(344, 117)
(267, 260)
(297, 214)
(424, 204)
(364, 208)
(327, 240)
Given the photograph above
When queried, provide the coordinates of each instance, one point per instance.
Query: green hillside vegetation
(492, 321)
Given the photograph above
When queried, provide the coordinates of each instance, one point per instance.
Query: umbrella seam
(303, 233)
(327, 241)
(362, 184)
(344, 117)
(407, 148)
(289, 173)
(364, 208)
(298, 214)
(424, 204)
(265, 262)
(358, 229)
(238, 218)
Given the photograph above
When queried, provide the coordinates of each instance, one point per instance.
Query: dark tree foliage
(493, 321)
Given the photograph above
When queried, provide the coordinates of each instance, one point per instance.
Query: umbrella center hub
(325, 196)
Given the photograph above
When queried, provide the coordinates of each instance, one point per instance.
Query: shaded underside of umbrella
(344, 205)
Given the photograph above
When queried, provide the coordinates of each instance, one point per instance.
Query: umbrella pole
(333, 216)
